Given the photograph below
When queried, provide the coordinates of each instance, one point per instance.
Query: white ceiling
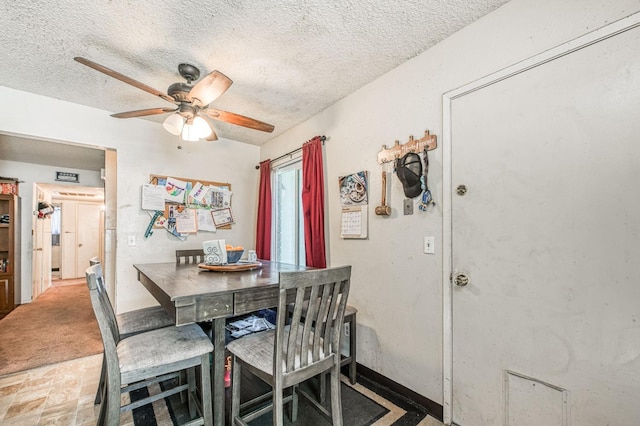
(288, 59)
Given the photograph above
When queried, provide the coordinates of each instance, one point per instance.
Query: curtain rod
(322, 138)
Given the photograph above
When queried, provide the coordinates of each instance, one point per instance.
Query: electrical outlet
(347, 329)
(429, 245)
(408, 206)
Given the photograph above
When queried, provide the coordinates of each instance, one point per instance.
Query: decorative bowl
(233, 256)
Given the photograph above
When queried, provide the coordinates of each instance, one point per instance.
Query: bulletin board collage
(186, 206)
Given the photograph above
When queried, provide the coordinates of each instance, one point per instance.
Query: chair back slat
(336, 310)
(292, 336)
(321, 297)
(324, 327)
(323, 312)
(191, 256)
(305, 345)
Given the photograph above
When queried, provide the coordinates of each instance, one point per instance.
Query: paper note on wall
(186, 221)
(205, 221)
(152, 197)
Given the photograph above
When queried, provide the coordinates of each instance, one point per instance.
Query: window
(288, 224)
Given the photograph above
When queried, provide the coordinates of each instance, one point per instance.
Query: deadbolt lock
(461, 280)
(461, 190)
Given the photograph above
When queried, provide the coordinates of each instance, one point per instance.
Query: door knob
(461, 280)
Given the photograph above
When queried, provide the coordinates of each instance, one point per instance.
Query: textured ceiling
(288, 59)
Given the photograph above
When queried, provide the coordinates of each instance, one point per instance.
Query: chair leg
(336, 403)
(103, 374)
(205, 380)
(112, 403)
(191, 381)
(322, 383)
(352, 349)
(235, 390)
(103, 410)
(294, 404)
(278, 411)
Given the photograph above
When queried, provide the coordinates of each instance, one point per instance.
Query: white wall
(397, 288)
(143, 148)
(30, 174)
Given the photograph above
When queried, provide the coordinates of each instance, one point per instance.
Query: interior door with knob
(88, 235)
(545, 240)
(41, 245)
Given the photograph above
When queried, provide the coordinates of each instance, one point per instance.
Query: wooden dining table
(191, 294)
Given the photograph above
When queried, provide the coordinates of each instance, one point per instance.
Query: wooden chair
(147, 358)
(191, 256)
(293, 353)
(131, 323)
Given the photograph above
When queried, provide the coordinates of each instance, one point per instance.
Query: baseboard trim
(434, 409)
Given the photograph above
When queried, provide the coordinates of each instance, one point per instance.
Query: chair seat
(141, 320)
(161, 347)
(257, 349)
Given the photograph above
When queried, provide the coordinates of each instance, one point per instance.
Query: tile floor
(63, 394)
(58, 394)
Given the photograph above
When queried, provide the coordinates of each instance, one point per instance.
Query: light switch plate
(429, 245)
(131, 240)
(408, 206)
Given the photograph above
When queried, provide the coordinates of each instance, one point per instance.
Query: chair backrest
(316, 317)
(194, 256)
(104, 314)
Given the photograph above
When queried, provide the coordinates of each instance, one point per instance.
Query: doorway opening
(66, 240)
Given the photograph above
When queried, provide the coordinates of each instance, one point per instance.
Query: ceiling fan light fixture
(201, 127)
(189, 133)
(174, 124)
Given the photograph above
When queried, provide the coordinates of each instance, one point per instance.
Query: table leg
(218, 372)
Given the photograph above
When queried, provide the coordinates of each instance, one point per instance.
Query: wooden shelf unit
(9, 254)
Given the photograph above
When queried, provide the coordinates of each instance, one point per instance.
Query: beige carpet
(58, 326)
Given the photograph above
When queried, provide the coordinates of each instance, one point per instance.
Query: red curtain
(263, 229)
(313, 203)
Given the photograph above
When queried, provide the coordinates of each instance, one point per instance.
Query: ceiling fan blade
(209, 88)
(124, 78)
(239, 120)
(143, 112)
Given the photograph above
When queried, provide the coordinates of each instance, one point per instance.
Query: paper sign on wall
(152, 197)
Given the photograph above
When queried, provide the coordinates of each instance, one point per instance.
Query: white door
(41, 256)
(88, 235)
(546, 330)
(68, 240)
(36, 259)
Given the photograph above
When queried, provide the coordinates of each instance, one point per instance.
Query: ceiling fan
(191, 118)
